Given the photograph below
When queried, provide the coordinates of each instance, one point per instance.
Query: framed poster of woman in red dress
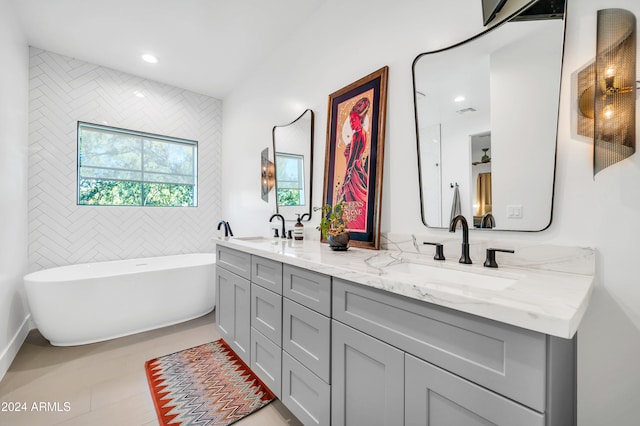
(355, 155)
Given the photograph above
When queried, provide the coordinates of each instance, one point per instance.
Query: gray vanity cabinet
(368, 380)
(340, 353)
(233, 302)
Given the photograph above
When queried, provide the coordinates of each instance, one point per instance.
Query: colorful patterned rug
(205, 386)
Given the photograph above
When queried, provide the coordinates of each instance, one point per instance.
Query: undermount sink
(453, 276)
(259, 238)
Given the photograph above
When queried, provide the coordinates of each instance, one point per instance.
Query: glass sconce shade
(615, 101)
(267, 178)
(607, 100)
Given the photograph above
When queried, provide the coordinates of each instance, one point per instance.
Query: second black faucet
(464, 258)
(283, 234)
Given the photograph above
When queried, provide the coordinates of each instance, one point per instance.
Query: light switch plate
(514, 211)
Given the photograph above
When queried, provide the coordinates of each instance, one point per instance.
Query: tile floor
(103, 383)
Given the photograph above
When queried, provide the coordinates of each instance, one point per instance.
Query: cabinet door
(436, 397)
(233, 312)
(367, 380)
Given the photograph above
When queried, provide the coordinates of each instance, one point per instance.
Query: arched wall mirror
(486, 115)
(293, 148)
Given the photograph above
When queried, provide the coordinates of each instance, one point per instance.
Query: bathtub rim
(49, 274)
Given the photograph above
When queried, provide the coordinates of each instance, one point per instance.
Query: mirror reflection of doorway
(432, 173)
(481, 198)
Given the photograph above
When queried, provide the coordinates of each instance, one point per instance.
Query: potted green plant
(332, 226)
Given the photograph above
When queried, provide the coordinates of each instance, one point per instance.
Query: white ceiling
(207, 46)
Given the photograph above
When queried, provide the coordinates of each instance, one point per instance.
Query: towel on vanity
(456, 209)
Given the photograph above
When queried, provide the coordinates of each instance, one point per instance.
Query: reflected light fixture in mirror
(607, 90)
(147, 57)
(266, 174)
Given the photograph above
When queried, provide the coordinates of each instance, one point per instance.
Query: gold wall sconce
(267, 174)
(607, 88)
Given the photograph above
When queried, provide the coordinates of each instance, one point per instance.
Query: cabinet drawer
(234, 261)
(304, 394)
(266, 313)
(307, 337)
(437, 397)
(266, 361)
(308, 288)
(506, 359)
(267, 273)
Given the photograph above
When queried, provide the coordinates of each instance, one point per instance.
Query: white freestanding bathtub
(92, 302)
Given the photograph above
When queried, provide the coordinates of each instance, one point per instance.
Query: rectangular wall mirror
(293, 148)
(486, 115)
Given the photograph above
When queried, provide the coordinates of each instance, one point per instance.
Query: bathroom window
(290, 179)
(118, 167)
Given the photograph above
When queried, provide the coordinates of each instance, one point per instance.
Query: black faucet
(227, 228)
(283, 234)
(464, 258)
(488, 217)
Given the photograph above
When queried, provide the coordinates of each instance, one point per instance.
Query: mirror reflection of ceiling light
(466, 110)
(458, 99)
(147, 57)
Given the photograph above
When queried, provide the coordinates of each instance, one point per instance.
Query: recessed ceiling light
(138, 94)
(150, 58)
(458, 99)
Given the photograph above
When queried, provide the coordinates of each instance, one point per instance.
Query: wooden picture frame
(354, 155)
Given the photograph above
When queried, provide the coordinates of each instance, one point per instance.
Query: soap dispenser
(298, 228)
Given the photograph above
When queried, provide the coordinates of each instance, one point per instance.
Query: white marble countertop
(540, 300)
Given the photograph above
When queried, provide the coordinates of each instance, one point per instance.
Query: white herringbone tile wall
(63, 91)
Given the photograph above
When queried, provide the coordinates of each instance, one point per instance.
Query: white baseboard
(9, 353)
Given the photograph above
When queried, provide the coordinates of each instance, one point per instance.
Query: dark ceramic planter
(338, 242)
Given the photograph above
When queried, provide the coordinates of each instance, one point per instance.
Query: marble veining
(524, 291)
(578, 260)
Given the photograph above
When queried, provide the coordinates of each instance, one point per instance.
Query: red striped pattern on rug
(205, 386)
